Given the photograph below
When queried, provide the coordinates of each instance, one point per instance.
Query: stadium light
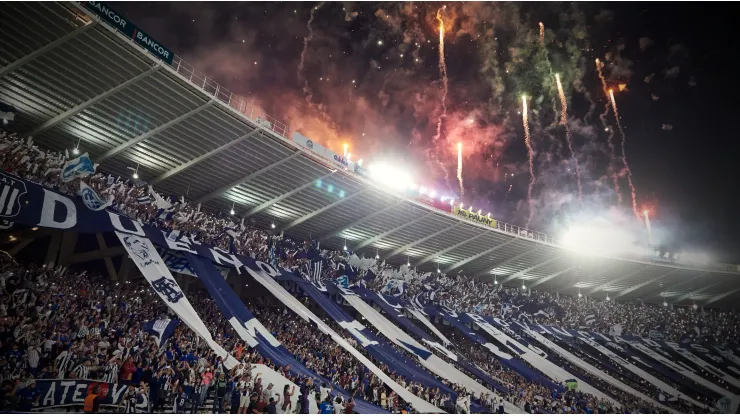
(524, 287)
(695, 305)
(579, 293)
(391, 176)
(345, 245)
(232, 208)
(377, 254)
(408, 261)
(495, 280)
(272, 225)
(438, 271)
(607, 297)
(665, 303)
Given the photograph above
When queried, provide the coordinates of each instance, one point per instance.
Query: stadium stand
(63, 324)
(243, 318)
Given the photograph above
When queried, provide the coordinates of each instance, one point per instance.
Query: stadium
(285, 278)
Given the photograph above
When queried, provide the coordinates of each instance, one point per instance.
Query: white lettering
(49, 398)
(115, 219)
(179, 245)
(51, 199)
(117, 393)
(66, 385)
(218, 257)
(78, 392)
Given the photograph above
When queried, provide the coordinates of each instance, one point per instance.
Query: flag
(589, 319)
(343, 281)
(159, 202)
(91, 198)
(144, 199)
(161, 329)
(316, 267)
(77, 168)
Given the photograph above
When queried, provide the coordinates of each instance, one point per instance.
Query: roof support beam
(552, 276)
(617, 280)
(693, 292)
(81, 107)
(722, 296)
(261, 207)
(325, 208)
(49, 46)
(448, 249)
(674, 288)
(421, 240)
(204, 156)
(505, 262)
(258, 172)
(358, 221)
(391, 231)
(479, 255)
(140, 138)
(645, 283)
(529, 269)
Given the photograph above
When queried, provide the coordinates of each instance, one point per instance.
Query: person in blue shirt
(27, 396)
(326, 407)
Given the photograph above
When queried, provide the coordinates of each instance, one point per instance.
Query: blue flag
(343, 281)
(161, 329)
(78, 167)
(91, 198)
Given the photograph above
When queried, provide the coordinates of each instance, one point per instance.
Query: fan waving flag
(77, 168)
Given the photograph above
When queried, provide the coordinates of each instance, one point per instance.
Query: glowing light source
(391, 176)
(345, 245)
(232, 208)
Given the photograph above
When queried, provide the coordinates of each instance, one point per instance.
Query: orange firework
(443, 74)
(564, 122)
(542, 34)
(459, 170)
(624, 155)
(530, 154)
(610, 139)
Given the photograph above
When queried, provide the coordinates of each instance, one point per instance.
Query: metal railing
(237, 102)
(253, 112)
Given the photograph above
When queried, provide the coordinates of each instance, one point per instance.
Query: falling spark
(443, 74)
(649, 230)
(459, 170)
(530, 154)
(542, 34)
(564, 122)
(306, 88)
(624, 155)
(610, 139)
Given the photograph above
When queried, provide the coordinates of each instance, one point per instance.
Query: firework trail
(610, 139)
(530, 154)
(542, 34)
(459, 170)
(564, 122)
(306, 88)
(624, 155)
(443, 74)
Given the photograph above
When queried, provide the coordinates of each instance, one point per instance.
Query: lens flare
(610, 139)
(564, 122)
(530, 156)
(624, 155)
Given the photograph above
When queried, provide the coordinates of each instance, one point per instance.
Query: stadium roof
(74, 78)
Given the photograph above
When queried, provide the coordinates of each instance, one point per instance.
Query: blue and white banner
(378, 348)
(251, 330)
(161, 329)
(154, 270)
(91, 199)
(78, 167)
(63, 393)
(467, 326)
(395, 312)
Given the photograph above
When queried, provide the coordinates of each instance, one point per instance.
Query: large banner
(378, 348)
(123, 25)
(310, 146)
(395, 312)
(252, 331)
(474, 216)
(65, 393)
(466, 327)
(154, 270)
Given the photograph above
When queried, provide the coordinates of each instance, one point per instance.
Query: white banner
(301, 310)
(150, 264)
(309, 145)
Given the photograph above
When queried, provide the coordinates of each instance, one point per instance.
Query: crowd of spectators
(56, 323)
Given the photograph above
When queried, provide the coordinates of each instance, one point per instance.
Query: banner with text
(474, 216)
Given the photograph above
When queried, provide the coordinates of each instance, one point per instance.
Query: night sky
(372, 78)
